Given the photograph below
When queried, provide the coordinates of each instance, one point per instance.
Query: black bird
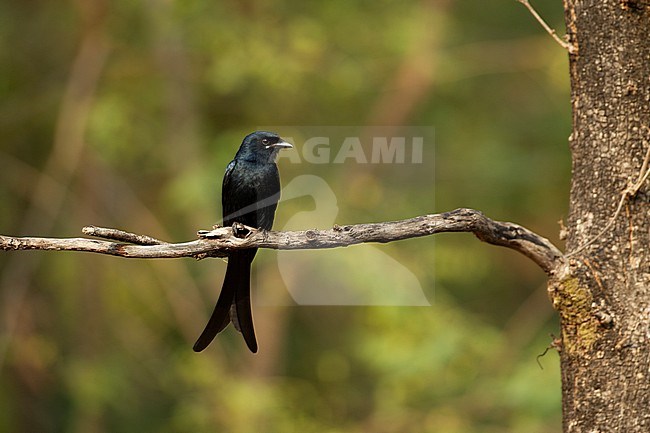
(249, 195)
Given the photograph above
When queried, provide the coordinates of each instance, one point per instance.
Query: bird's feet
(241, 231)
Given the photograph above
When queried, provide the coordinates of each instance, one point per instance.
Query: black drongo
(249, 195)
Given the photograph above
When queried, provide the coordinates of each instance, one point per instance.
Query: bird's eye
(265, 141)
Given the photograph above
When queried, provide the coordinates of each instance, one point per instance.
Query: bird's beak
(280, 145)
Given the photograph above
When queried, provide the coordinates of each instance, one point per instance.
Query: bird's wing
(226, 190)
(239, 195)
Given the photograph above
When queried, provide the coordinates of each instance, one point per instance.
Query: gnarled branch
(218, 242)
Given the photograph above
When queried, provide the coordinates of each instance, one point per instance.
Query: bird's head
(261, 146)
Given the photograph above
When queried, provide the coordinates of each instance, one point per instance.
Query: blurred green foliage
(124, 114)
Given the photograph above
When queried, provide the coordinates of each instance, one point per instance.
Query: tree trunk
(603, 294)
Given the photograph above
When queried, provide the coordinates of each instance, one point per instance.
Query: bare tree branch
(218, 242)
(571, 48)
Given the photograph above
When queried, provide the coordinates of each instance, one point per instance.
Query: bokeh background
(124, 114)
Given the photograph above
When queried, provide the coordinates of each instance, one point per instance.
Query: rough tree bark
(603, 293)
